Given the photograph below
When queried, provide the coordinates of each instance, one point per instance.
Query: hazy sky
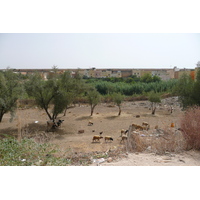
(100, 50)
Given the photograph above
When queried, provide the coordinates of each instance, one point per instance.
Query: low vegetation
(129, 89)
(27, 152)
(188, 90)
(190, 123)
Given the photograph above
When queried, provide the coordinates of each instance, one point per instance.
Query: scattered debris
(109, 159)
(81, 131)
(181, 160)
(98, 161)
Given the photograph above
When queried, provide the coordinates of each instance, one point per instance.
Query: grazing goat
(90, 123)
(108, 138)
(59, 122)
(52, 124)
(138, 127)
(123, 132)
(96, 138)
(126, 132)
(124, 137)
(146, 126)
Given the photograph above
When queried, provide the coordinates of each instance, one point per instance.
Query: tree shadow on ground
(84, 118)
(8, 132)
(31, 130)
(111, 117)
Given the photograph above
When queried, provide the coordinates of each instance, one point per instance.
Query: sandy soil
(189, 158)
(105, 119)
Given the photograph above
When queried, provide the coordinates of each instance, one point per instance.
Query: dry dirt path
(189, 158)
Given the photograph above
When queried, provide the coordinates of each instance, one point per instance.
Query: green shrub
(27, 153)
(129, 89)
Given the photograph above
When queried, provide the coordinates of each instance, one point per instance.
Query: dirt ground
(189, 158)
(104, 119)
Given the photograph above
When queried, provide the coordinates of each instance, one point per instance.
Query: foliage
(27, 153)
(118, 98)
(10, 90)
(93, 99)
(129, 89)
(190, 123)
(146, 78)
(196, 89)
(184, 90)
(188, 90)
(58, 91)
(154, 98)
(42, 91)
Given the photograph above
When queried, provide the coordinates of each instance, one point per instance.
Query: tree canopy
(10, 90)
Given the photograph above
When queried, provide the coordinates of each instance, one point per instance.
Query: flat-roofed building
(136, 72)
(116, 74)
(126, 73)
(163, 74)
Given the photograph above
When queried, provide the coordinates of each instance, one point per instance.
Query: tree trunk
(119, 111)
(1, 116)
(46, 110)
(92, 109)
(65, 111)
(153, 110)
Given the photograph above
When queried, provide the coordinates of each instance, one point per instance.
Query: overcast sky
(103, 50)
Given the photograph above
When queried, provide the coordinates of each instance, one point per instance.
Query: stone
(109, 160)
(81, 131)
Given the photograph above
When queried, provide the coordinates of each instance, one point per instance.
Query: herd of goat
(96, 138)
(53, 124)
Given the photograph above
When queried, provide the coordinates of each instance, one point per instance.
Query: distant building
(116, 74)
(136, 72)
(126, 73)
(163, 74)
(178, 74)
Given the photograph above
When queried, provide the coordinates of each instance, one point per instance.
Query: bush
(190, 123)
(159, 143)
(27, 153)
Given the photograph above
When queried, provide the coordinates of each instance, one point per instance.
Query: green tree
(154, 98)
(196, 89)
(72, 88)
(156, 79)
(146, 78)
(10, 90)
(93, 98)
(79, 86)
(185, 90)
(118, 99)
(54, 92)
